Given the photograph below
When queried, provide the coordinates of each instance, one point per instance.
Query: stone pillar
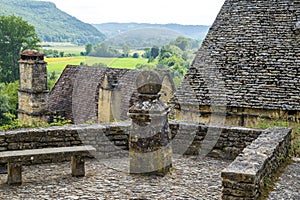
(33, 92)
(150, 147)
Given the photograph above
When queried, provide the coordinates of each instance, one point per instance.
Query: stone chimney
(33, 92)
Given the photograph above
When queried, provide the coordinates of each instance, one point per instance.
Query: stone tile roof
(76, 93)
(60, 97)
(250, 58)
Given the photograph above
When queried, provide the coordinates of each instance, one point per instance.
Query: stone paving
(189, 179)
(288, 184)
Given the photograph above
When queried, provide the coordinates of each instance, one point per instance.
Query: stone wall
(244, 177)
(109, 139)
(256, 153)
(235, 116)
(224, 142)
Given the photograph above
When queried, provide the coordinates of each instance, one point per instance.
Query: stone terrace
(190, 179)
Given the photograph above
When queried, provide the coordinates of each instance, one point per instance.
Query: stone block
(14, 173)
(78, 168)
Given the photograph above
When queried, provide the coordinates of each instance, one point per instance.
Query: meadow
(58, 64)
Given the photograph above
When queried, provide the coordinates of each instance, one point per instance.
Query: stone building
(248, 66)
(81, 94)
(99, 94)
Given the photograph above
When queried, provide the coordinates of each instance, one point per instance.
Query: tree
(103, 50)
(147, 53)
(154, 52)
(182, 42)
(88, 48)
(61, 54)
(126, 51)
(136, 55)
(16, 35)
(4, 106)
(11, 91)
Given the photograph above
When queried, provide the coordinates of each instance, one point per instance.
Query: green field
(58, 64)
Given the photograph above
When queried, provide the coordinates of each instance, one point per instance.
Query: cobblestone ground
(189, 179)
(288, 185)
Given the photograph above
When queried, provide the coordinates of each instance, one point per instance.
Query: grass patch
(58, 64)
(295, 151)
(128, 63)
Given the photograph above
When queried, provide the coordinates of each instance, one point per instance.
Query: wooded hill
(144, 37)
(52, 24)
(197, 32)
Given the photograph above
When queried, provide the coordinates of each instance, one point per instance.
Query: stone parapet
(227, 142)
(110, 140)
(244, 178)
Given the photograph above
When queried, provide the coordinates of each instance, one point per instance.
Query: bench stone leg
(14, 173)
(78, 166)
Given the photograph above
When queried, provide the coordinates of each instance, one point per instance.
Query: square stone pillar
(150, 147)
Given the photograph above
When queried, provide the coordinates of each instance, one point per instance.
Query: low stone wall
(109, 139)
(257, 153)
(244, 177)
(218, 141)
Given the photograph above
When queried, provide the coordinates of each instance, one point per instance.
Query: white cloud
(153, 11)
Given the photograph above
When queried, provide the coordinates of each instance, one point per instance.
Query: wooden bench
(15, 159)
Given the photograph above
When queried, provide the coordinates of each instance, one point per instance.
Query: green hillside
(197, 32)
(52, 24)
(144, 37)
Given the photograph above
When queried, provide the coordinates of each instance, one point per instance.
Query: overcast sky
(193, 12)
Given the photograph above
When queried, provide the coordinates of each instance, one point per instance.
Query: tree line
(175, 57)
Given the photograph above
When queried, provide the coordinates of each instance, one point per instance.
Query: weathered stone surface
(250, 56)
(14, 173)
(189, 179)
(98, 94)
(187, 138)
(150, 151)
(245, 176)
(33, 92)
(112, 139)
(288, 184)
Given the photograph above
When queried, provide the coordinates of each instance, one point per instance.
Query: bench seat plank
(15, 159)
